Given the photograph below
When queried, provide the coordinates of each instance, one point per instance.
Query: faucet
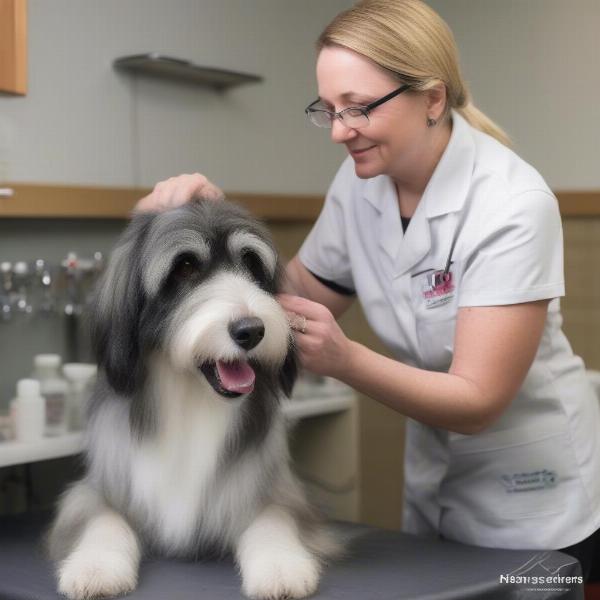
(6, 291)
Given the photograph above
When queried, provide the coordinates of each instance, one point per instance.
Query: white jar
(29, 411)
(80, 377)
(54, 388)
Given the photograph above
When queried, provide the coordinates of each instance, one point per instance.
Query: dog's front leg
(103, 562)
(274, 562)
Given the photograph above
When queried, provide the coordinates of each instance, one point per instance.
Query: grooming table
(381, 565)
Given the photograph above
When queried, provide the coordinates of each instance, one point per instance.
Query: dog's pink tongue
(236, 376)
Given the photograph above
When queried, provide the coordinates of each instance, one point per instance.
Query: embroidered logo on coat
(527, 482)
(437, 288)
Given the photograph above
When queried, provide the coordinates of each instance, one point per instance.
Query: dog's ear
(118, 303)
(289, 372)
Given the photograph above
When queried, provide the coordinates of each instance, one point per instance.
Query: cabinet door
(13, 46)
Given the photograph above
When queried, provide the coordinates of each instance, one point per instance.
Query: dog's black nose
(247, 332)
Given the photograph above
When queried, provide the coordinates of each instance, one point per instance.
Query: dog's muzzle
(235, 378)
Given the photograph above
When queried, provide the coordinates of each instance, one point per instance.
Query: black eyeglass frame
(365, 110)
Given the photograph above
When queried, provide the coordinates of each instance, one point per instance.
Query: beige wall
(82, 122)
(531, 66)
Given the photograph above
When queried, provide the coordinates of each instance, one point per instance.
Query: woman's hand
(322, 346)
(178, 190)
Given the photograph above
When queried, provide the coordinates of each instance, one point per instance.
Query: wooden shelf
(24, 200)
(62, 201)
(167, 67)
(582, 203)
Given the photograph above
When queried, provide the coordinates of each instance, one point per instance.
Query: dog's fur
(175, 467)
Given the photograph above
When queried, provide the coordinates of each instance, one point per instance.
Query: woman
(453, 245)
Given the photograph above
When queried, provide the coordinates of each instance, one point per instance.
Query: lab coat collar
(446, 192)
(448, 187)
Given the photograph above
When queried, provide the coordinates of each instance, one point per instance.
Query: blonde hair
(411, 41)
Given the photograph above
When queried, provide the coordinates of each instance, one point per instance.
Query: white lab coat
(532, 479)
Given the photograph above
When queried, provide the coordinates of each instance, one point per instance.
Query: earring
(431, 122)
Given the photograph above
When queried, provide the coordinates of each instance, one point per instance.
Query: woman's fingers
(302, 306)
(322, 345)
(176, 191)
(195, 186)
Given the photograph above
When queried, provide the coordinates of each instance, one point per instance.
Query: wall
(531, 65)
(82, 122)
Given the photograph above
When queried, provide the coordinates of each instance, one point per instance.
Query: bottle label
(55, 408)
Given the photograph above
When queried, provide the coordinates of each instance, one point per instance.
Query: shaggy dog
(186, 449)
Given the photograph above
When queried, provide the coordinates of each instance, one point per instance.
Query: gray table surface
(380, 565)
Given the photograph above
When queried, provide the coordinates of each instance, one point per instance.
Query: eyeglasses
(353, 117)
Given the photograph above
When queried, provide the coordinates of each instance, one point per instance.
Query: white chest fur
(172, 474)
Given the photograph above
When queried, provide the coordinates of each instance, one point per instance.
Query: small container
(29, 411)
(55, 389)
(80, 377)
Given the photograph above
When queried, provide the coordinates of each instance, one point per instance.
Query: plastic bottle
(54, 389)
(80, 377)
(29, 411)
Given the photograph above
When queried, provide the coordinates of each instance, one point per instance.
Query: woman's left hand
(176, 191)
(322, 346)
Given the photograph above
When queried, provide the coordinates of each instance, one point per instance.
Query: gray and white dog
(186, 450)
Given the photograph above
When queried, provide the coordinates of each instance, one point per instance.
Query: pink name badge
(438, 288)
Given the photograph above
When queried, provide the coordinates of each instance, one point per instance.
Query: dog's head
(196, 284)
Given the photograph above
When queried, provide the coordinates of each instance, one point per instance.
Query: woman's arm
(301, 282)
(493, 351)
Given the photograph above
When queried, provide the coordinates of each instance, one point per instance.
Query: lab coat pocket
(436, 342)
(510, 474)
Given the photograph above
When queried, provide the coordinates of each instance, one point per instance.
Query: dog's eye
(186, 266)
(253, 263)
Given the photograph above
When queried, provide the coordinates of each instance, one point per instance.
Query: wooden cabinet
(13, 46)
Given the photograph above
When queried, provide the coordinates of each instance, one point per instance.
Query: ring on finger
(299, 323)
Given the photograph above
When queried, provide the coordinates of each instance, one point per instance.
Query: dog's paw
(272, 576)
(104, 574)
